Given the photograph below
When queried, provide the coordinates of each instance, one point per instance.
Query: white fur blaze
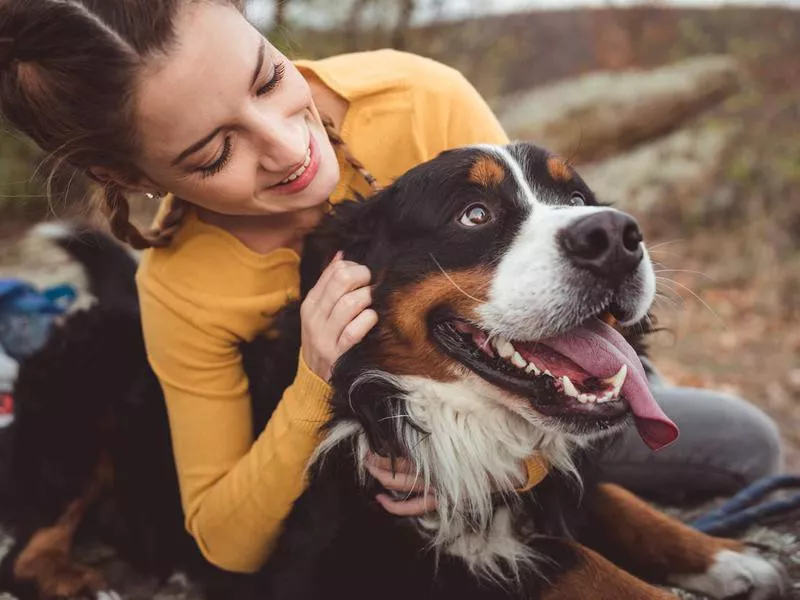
(734, 574)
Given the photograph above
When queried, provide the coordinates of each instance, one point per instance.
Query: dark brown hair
(67, 74)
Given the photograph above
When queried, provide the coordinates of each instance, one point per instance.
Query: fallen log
(602, 114)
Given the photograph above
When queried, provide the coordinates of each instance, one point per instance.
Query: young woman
(184, 98)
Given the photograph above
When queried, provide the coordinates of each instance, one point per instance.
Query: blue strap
(19, 296)
(61, 296)
(744, 509)
(11, 287)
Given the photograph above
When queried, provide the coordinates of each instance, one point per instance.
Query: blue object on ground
(26, 314)
(744, 509)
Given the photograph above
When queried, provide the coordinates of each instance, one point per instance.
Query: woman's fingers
(346, 277)
(355, 331)
(414, 507)
(348, 307)
(410, 483)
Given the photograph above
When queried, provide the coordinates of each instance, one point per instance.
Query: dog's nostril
(586, 243)
(632, 237)
(607, 243)
(596, 243)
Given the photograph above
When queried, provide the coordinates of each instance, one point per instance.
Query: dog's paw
(733, 574)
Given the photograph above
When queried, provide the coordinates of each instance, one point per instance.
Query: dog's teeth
(481, 340)
(532, 368)
(617, 380)
(569, 387)
(504, 347)
(581, 398)
(605, 398)
(548, 373)
(518, 361)
(584, 398)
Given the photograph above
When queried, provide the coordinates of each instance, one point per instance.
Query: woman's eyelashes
(277, 76)
(219, 163)
(225, 155)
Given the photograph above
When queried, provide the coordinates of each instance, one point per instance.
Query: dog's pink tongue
(601, 351)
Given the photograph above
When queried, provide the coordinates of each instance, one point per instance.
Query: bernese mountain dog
(511, 305)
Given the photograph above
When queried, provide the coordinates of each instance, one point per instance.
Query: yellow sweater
(207, 292)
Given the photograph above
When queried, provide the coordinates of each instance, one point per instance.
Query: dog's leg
(45, 561)
(599, 579)
(649, 543)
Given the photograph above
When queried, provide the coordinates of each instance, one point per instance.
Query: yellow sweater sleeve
(235, 491)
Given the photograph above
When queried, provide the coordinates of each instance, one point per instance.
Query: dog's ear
(359, 228)
(372, 398)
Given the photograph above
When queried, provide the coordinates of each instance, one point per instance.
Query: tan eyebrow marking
(558, 169)
(487, 172)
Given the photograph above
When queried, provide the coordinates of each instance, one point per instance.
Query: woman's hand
(335, 314)
(404, 480)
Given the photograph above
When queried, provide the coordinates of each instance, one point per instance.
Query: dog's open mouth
(589, 375)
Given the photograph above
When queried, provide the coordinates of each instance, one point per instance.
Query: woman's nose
(281, 144)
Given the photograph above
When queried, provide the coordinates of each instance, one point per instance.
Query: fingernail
(339, 255)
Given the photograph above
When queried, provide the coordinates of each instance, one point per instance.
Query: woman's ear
(141, 185)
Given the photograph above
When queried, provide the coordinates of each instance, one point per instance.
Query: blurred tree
(352, 27)
(279, 20)
(358, 24)
(403, 25)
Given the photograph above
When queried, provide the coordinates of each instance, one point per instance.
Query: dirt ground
(779, 543)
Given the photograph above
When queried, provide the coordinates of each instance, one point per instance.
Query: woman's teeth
(299, 171)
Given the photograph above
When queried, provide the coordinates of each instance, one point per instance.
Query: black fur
(90, 392)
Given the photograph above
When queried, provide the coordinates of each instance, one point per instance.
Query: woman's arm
(236, 491)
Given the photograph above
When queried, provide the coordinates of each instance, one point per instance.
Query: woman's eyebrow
(196, 146)
(259, 62)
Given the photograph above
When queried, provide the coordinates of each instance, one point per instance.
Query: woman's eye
(475, 215)
(577, 199)
(219, 163)
(280, 70)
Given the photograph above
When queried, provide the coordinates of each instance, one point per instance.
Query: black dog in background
(497, 273)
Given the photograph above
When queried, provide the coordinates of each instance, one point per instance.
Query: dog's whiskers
(664, 299)
(660, 245)
(450, 279)
(666, 282)
(701, 273)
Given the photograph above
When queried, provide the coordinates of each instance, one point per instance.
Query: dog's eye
(475, 215)
(577, 199)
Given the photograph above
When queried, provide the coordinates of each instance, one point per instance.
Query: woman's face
(229, 124)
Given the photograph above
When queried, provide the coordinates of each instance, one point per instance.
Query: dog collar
(537, 469)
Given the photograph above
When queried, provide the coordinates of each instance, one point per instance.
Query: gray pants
(725, 443)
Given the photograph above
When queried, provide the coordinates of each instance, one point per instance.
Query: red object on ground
(6, 408)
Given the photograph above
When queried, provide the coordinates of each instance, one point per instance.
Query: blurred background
(686, 114)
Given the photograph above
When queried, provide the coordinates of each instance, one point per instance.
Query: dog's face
(496, 268)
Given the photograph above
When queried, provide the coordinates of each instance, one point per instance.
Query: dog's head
(496, 268)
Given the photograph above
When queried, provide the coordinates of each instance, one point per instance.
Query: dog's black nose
(606, 243)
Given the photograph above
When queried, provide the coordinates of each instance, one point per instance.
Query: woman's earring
(154, 195)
